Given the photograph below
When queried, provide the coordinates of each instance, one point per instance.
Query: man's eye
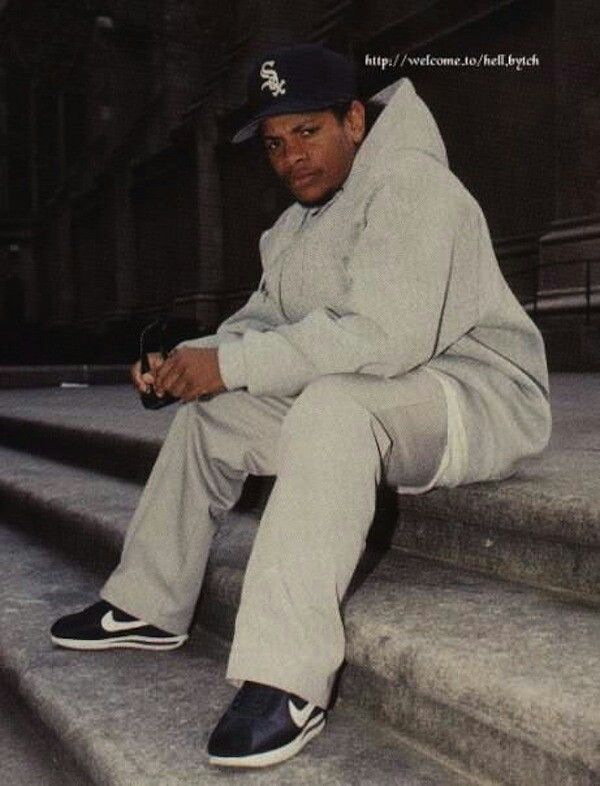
(309, 131)
(271, 144)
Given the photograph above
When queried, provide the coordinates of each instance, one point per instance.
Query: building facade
(121, 199)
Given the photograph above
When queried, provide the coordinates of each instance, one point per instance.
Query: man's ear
(355, 118)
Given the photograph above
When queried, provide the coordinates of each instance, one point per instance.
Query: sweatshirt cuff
(232, 364)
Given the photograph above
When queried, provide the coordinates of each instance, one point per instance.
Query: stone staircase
(473, 638)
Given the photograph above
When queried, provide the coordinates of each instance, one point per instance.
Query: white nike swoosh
(111, 625)
(300, 716)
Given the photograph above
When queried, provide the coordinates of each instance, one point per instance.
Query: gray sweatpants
(329, 448)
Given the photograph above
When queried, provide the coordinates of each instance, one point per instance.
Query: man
(382, 344)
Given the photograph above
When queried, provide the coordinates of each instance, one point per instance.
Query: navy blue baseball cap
(298, 78)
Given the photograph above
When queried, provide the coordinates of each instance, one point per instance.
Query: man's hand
(188, 373)
(141, 382)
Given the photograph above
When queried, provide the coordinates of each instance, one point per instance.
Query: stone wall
(119, 164)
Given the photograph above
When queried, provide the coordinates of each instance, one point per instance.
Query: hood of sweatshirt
(406, 124)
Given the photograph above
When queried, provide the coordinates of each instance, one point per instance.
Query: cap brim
(249, 130)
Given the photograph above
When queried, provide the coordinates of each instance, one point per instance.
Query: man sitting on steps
(382, 345)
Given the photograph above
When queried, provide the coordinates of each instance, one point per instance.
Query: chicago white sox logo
(272, 80)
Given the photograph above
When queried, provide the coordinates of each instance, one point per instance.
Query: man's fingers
(172, 383)
(155, 361)
(167, 377)
(140, 381)
(162, 371)
(188, 373)
(180, 384)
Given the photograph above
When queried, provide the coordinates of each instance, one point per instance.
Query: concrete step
(503, 678)
(51, 376)
(100, 427)
(28, 754)
(143, 719)
(542, 526)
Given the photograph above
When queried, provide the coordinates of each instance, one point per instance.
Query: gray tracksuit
(382, 342)
(397, 272)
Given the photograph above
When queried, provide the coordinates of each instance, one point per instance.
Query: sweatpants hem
(268, 677)
(143, 613)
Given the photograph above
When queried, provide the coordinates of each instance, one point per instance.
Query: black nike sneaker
(103, 626)
(263, 726)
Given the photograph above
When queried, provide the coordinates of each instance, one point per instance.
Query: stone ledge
(52, 376)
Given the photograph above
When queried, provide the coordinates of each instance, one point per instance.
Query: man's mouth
(301, 179)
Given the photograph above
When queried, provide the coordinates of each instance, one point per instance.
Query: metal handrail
(538, 267)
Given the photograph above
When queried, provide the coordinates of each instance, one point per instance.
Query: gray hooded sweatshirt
(397, 272)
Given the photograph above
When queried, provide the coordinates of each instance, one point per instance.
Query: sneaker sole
(278, 755)
(125, 642)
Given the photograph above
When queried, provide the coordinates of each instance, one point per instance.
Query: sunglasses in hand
(152, 339)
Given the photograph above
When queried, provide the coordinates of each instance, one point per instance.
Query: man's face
(313, 152)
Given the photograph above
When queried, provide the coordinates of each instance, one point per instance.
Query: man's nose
(294, 152)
